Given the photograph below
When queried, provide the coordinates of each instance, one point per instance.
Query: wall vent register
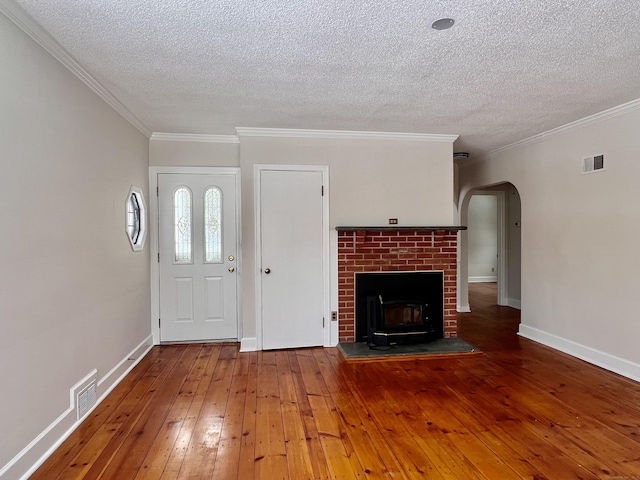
(593, 164)
(86, 399)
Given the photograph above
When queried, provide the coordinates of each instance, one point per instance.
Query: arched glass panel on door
(213, 225)
(182, 213)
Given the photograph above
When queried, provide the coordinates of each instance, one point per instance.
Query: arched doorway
(494, 229)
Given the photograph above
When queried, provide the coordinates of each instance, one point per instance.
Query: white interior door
(291, 270)
(198, 257)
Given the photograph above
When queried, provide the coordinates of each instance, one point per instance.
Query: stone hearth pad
(440, 347)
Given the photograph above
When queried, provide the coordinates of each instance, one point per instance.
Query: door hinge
(158, 257)
(157, 191)
(322, 191)
(158, 323)
(322, 322)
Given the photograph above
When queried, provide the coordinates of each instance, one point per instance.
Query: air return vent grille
(86, 399)
(593, 164)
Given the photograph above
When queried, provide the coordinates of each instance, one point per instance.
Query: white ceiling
(506, 71)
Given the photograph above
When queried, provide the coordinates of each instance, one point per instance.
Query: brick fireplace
(395, 249)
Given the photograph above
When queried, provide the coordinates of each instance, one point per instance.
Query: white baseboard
(513, 303)
(25, 463)
(117, 373)
(249, 344)
(463, 308)
(485, 279)
(596, 357)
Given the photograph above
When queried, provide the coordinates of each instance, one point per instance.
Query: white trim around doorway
(329, 325)
(153, 236)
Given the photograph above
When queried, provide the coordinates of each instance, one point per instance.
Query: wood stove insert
(399, 307)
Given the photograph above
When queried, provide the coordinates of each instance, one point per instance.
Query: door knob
(267, 271)
(232, 269)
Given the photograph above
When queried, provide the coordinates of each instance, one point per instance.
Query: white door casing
(292, 256)
(197, 299)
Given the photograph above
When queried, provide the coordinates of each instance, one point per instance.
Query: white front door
(198, 257)
(292, 261)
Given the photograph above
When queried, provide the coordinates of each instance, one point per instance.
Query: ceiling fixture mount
(458, 155)
(443, 23)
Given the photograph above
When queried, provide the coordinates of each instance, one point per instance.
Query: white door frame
(324, 169)
(154, 223)
(502, 271)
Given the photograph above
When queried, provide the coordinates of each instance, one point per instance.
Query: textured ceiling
(506, 71)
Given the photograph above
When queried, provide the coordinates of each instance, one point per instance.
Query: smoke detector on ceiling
(460, 155)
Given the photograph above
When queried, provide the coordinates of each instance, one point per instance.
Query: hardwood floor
(519, 410)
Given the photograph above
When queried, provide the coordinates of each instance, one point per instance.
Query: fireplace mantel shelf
(388, 228)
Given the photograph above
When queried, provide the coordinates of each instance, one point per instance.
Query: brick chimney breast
(395, 249)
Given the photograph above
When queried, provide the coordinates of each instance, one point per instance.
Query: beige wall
(172, 153)
(580, 257)
(73, 295)
(370, 182)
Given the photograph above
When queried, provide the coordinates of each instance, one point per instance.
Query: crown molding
(28, 25)
(583, 122)
(194, 137)
(342, 134)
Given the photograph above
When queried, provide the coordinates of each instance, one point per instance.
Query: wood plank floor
(519, 410)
